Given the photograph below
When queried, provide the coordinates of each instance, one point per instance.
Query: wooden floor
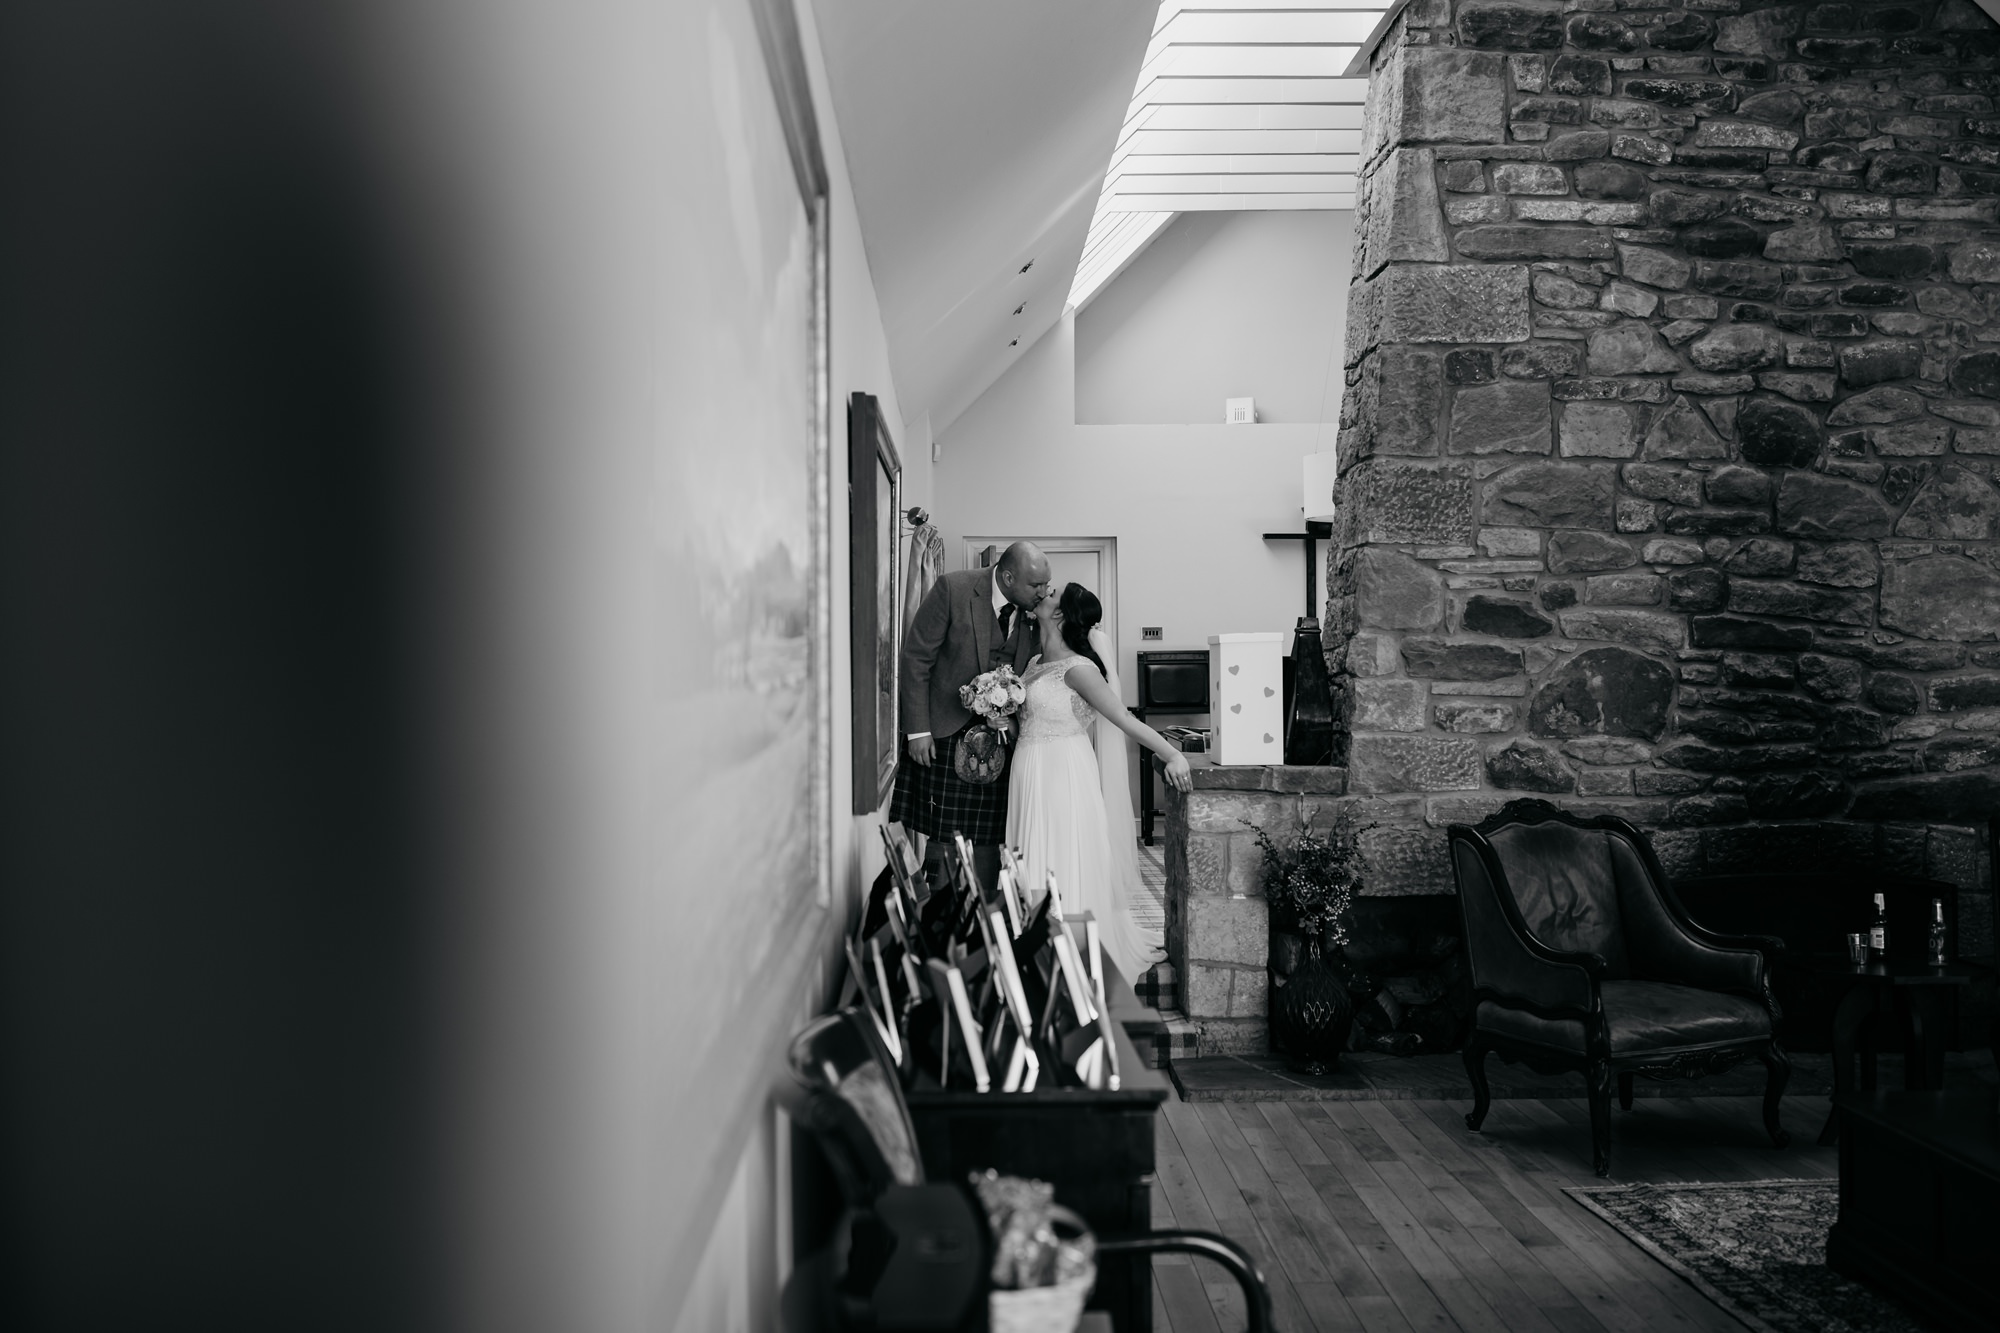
(1392, 1216)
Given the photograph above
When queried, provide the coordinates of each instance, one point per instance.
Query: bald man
(971, 622)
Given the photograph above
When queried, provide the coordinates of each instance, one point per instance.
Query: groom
(971, 622)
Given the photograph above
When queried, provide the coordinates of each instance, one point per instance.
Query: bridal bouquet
(995, 696)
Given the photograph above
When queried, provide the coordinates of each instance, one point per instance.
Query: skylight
(1240, 105)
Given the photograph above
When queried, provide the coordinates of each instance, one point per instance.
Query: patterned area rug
(1755, 1248)
(1150, 908)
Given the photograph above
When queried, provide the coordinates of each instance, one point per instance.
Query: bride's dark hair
(1081, 613)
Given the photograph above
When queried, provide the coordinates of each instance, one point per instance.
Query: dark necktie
(1006, 620)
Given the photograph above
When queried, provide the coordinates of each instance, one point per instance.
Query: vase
(1312, 1012)
(1309, 712)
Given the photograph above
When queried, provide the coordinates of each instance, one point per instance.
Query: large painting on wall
(746, 504)
(742, 790)
(747, 508)
(874, 506)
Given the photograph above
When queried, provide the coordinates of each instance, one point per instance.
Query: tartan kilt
(937, 802)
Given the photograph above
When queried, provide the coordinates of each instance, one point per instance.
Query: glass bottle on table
(1878, 932)
(1939, 946)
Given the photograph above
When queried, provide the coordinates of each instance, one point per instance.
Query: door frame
(1106, 550)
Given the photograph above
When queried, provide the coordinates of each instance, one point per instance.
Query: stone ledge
(1286, 779)
(1233, 1036)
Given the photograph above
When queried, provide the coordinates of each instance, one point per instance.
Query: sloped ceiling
(977, 138)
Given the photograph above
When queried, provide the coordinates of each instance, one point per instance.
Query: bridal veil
(1114, 767)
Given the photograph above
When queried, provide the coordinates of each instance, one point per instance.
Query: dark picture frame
(874, 507)
(784, 59)
(743, 783)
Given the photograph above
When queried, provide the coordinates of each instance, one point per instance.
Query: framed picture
(744, 498)
(799, 320)
(741, 924)
(874, 506)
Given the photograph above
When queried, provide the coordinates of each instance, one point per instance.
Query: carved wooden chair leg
(1778, 1068)
(1475, 1069)
(1625, 1090)
(1599, 1076)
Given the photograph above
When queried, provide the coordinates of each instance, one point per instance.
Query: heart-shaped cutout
(1238, 667)
(1267, 738)
(1236, 708)
(1268, 691)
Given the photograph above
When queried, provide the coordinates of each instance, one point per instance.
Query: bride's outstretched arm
(1087, 681)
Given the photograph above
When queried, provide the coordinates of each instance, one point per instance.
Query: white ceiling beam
(1263, 117)
(1172, 9)
(1224, 182)
(1237, 203)
(1242, 141)
(1235, 164)
(1250, 116)
(1246, 62)
(1123, 237)
(1253, 151)
(1221, 91)
(1347, 27)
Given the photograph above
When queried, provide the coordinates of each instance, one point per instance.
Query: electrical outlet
(1150, 632)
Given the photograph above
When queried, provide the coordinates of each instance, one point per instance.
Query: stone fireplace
(1669, 461)
(1669, 448)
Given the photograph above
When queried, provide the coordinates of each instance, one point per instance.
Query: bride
(1069, 810)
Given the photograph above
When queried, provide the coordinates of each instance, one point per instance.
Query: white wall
(739, 1246)
(1221, 305)
(622, 1025)
(353, 667)
(1187, 503)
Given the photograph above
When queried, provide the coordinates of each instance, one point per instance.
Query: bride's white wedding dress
(1057, 812)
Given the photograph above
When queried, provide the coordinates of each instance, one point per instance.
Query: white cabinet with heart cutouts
(1246, 678)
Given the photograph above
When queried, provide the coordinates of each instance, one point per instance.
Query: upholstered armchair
(1582, 958)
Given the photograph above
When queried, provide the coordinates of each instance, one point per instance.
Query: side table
(1920, 1201)
(1918, 995)
(1095, 1146)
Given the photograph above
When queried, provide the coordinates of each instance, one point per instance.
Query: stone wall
(1670, 444)
(1217, 920)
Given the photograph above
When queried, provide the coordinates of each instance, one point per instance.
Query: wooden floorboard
(1178, 1293)
(1236, 1217)
(1393, 1217)
(1399, 1282)
(1488, 1185)
(1503, 1251)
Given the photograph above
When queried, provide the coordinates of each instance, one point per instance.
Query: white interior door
(1091, 561)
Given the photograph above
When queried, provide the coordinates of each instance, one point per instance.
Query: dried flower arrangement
(1313, 880)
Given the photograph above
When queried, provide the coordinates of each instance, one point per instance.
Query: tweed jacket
(954, 638)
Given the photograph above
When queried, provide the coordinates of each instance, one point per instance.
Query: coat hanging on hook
(926, 563)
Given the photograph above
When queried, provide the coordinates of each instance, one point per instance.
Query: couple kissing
(1063, 798)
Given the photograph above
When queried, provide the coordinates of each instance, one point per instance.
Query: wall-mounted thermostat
(1149, 631)
(1240, 411)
